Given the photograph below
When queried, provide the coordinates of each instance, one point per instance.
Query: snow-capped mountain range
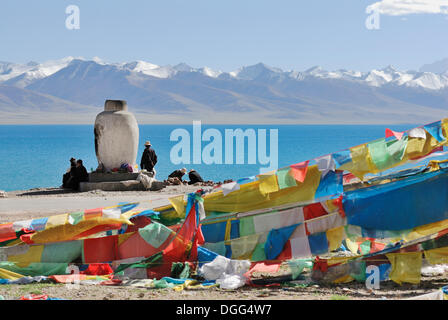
(259, 93)
(21, 75)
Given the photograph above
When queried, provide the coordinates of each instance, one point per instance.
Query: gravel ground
(349, 291)
(43, 202)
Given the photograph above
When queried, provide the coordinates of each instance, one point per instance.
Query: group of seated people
(193, 175)
(75, 174)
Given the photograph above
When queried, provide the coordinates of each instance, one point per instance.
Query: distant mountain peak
(256, 71)
(210, 72)
(183, 67)
(140, 66)
(263, 66)
(389, 69)
(98, 60)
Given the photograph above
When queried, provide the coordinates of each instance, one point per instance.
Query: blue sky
(224, 34)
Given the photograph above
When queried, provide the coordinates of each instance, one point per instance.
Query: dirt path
(349, 291)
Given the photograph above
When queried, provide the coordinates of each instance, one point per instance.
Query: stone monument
(116, 144)
(116, 135)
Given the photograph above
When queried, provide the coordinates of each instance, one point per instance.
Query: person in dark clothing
(175, 177)
(194, 177)
(81, 175)
(149, 158)
(70, 173)
(178, 174)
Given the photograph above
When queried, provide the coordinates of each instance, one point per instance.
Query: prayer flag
(299, 170)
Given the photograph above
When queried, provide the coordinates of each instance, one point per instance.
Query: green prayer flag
(365, 247)
(216, 247)
(155, 234)
(36, 268)
(358, 271)
(353, 231)
(380, 155)
(247, 226)
(285, 180)
(153, 261)
(162, 284)
(180, 271)
(259, 253)
(386, 154)
(297, 266)
(75, 217)
(61, 252)
(396, 148)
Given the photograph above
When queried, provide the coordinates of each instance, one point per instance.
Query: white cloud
(405, 7)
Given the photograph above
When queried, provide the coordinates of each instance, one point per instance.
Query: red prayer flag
(264, 266)
(390, 133)
(185, 241)
(93, 213)
(376, 246)
(298, 170)
(181, 248)
(98, 269)
(7, 232)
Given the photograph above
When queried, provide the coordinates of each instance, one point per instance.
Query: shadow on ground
(46, 192)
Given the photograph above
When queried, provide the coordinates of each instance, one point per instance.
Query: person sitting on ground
(81, 175)
(70, 173)
(194, 177)
(178, 174)
(175, 177)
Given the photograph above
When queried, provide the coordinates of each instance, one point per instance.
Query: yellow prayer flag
(335, 237)
(56, 220)
(243, 247)
(445, 129)
(437, 256)
(351, 245)
(344, 279)
(6, 274)
(426, 230)
(340, 260)
(250, 198)
(33, 254)
(418, 147)
(361, 163)
(179, 205)
(67, 231)
(268, 184)
(228, 229)
(406, 267)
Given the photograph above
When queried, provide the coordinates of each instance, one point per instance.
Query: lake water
(33, 156)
